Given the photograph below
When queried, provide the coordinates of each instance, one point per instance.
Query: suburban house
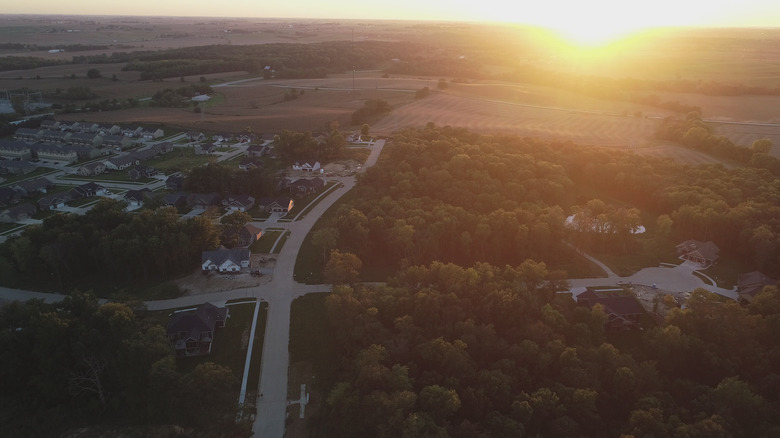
(238, 202)
(137, 172)
(751, 284)
(162, 148)
(621, 306)
(278, 205)
(54, 201)
(86, 139)
(177, 200)
(18, 213)
(121, 163)
(249, 163)
(703, 253)
(32, 186)
(50, 124)
(194, 136)
(192, 333)
(225, 260)
(15, 149)
(249, 235)
(87, 190)
(202, 200)
(9, 196)
(91, 169)
(136, 198)
(133, 131)
(307, 166)
(117, 141)
(55, 136)
(27, 134)
(203, 149)
(257, 150)
(55, 152)
(16, 167)
(174, 182)
(88, 152)
(305, 186)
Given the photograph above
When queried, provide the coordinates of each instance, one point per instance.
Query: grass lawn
(114, 175)
(311, 339)
(315, 199)
(280, 245)
(179, 159)
(265, 242)
(5, 227)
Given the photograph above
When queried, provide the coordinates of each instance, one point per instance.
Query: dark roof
(221, 255)
(203, 198)
(751, 283)
(707, 249)
(138, 195)
(32, 185)
(26, 209)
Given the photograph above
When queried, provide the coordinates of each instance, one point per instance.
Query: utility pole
(353, 60)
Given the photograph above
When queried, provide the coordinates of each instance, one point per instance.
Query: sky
(580, 14)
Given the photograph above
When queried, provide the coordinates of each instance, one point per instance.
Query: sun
(589, 35)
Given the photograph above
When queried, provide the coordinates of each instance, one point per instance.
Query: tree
(442, 84)
(364, 130)
(19, 104)
(762, 146)
(94, 73)
(231, 225)
(326, 239)
(342, 268)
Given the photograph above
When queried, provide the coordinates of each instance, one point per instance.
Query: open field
(490, 106)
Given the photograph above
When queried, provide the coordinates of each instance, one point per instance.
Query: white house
(225, 260)
(309, 166)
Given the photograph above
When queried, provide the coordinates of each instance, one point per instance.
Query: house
(117, 141)
(27, 134)
(88, 152)
(305, 186)
(136, 198)
(250, 163)
(225, 260)
(174, 182)
(238, 202)
(146, 154)
(203, 149)
(31, 186)
(202, 200)
(54, 136)
(15, 149)
(54, 201)
(177, 200)
(751, 284)
(9, 196)
(87, 190)
(91, 169)
(192, 333)
(622, 308)
(703, 253)
(162, 148)
(132, 131)
(18, 213)
(151, 134)
(279, 205)
(121, 163)
(86, 139)
(50, 124)
(257, 150)
(194, 136)
(137, 172)
(16, 167)
(249, 235)
(54, 152)
(307, 166)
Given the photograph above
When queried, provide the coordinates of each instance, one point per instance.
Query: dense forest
(448, 351)
(446, 194)
(78, 363)
(472, 339)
